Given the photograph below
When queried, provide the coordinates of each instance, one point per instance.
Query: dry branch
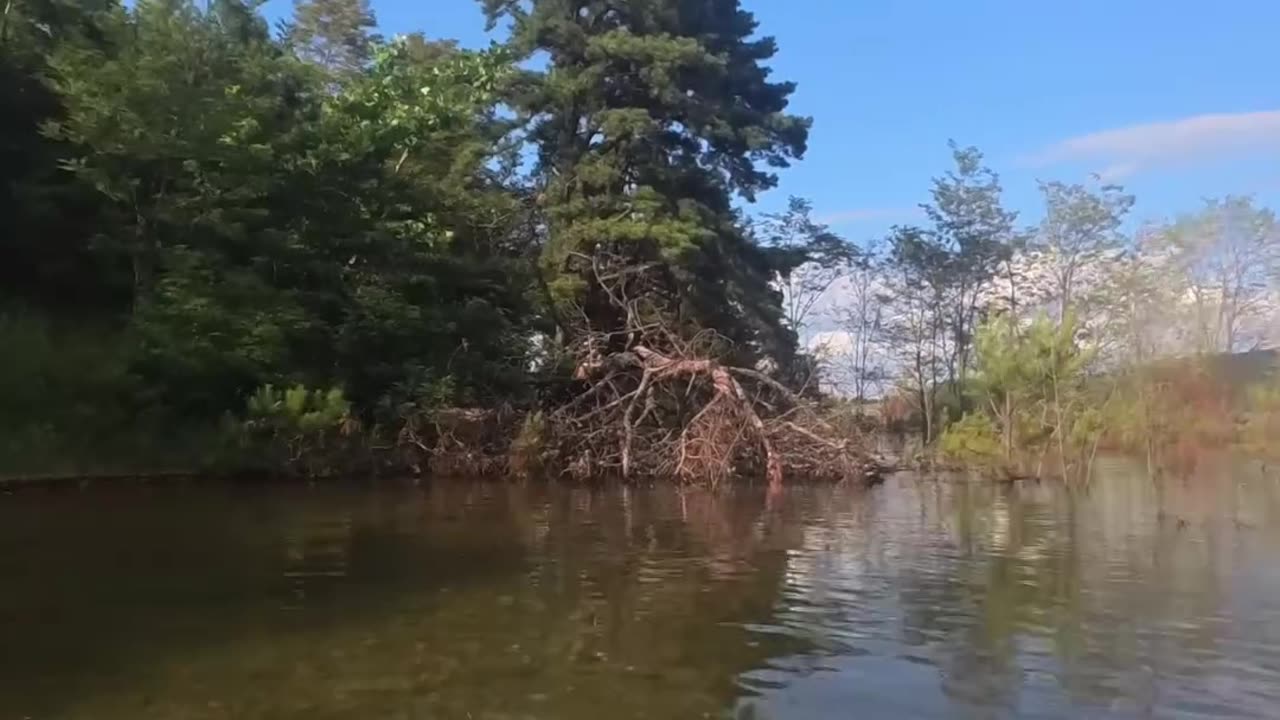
(655, 404)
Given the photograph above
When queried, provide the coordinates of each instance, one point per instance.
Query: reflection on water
(915, 599)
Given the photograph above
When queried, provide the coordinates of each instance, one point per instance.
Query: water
(914, 599)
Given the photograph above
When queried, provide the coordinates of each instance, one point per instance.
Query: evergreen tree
(334, 34)
(650, 115)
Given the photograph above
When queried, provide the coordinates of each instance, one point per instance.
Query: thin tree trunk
(1057, 411)
(1008, 426)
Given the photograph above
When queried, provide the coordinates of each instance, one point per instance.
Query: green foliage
(530, 447)
(196, 212)
(46, 217)
(259, 223)
(637, 166)
(972, 234)
(69, 403)
(334, 34)
(938, 278)
(297, 409)
(1079, 230)
(1054, 354)
(59, 387)
(1037, 388)
(297, 430)
(280, 231)
(163, 113)
(972, 439)
(1001, 355)
(1033, 386)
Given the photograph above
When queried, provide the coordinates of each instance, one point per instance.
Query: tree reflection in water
(920, 598)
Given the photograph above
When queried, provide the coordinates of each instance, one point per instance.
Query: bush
(973, 439)
(297, 430)
(529, 448)
(60, 392)
(70, 405)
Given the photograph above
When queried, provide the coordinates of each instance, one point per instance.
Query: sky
(1177, 100)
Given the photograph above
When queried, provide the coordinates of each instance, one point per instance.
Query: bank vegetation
(313, 251)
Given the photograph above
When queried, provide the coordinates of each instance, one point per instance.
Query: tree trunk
(1008, 427)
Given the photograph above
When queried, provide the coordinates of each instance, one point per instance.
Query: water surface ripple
(919, 598)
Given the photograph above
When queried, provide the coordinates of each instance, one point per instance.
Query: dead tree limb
(655, 403)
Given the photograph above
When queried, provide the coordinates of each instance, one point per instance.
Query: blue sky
(1176, 99)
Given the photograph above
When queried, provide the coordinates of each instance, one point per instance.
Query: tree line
(311, 232)
(1036, 345)
(308, 240)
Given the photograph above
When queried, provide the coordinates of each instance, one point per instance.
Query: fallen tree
(651, 414)
(650, 404)
(654, 400)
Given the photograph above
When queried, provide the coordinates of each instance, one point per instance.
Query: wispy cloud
(1121, 152)
(857, 215)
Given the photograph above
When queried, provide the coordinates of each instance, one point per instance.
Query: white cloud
(1124, 151)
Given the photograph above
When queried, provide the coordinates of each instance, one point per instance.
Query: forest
(310, 250)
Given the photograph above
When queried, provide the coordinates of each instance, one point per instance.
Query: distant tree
(429, 52)
(859, 312)
(813, 258)
(1136, 304)
(1080, 230)
(334, 34)
(916, 326)
(1225, 256)
(977, 235)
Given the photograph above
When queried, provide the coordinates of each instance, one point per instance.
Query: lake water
(918, 598)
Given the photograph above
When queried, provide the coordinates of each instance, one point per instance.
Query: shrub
(530, 446)
(973, 439)
(296, 430)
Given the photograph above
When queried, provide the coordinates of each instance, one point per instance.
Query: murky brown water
(915, 599)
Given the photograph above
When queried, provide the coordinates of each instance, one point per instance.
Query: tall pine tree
(649, 116)
(334, 34)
